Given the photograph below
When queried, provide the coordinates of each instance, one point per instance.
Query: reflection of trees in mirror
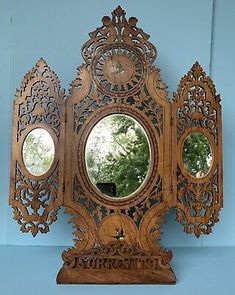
(197, 156)
(38, 151)
(117, 152)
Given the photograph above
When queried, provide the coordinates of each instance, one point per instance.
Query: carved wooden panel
(117, 237)
(196, 110)
(39, 104)
(118, 78)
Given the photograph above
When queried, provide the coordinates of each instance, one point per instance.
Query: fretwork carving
(118, 30)
(117, 78)
(33, 197)
(197, 108)
(39, 104)
(117, 237)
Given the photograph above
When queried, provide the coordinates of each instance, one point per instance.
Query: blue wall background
(183, 31)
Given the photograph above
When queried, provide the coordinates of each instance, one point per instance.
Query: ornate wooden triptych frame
(117, 240)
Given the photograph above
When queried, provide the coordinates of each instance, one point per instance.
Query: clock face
(118, 70)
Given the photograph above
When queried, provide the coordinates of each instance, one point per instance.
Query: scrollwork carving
(119, 30)
(199, 204)
(118, 78)
(96, 100)
(34, 197)
(37, 90)
(99, 212)
(197, 108)
(118, 233)
(39, 104)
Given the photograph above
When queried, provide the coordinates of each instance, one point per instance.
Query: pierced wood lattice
(116, 240)
(39, 104)
(197, 108)
(118, 78)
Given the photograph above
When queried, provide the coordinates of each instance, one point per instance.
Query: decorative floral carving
(155, 197)
(81, 232)
(118, 30)
(150, 107)
(118, 78)
(38, 105)
(99, 212)
(35, 202)
(197, 108)
(36, 199)
(198, 104)
(199, 210)
(95, 100)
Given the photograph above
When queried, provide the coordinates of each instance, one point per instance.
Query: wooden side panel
(196, 110)
(39, 104)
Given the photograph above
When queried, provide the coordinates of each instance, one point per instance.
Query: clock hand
(117, 66)
(111, 236)
(120, 67)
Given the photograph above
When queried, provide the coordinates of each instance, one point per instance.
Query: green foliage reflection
(38, 151)
(118, 152)
(197, 156)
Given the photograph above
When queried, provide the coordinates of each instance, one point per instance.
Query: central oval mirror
(117, 155)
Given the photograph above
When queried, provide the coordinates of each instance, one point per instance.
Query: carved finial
(41, 69)
(197, 70)
(41, 62)
(117, 30)
(119, 11)
(196, 74)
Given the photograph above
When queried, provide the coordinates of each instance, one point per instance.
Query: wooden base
(116, 263)
(112, 276)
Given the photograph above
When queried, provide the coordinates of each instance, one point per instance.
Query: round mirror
(197, 154)
(38, 151)
(117, 155)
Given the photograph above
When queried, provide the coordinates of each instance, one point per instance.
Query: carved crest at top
(196, 76)
(118, 30)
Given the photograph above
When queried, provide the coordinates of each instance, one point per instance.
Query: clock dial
(119, 70)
